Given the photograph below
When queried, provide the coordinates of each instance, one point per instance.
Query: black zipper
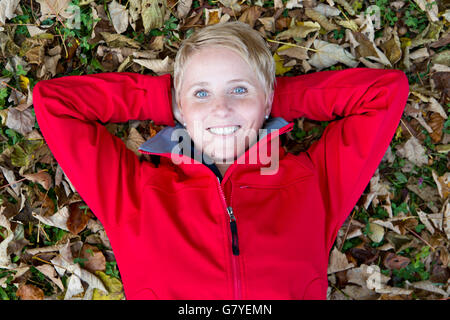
(233, 228)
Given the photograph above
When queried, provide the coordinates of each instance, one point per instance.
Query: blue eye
(241, 88)
(199, 92)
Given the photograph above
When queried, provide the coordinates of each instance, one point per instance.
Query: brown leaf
(250, 15)
(393, 261)
(282, 23)
(321, 19)
(392, 48)
(364, 255)
(78, 218)
(436, 123)
(30, 292)
(41, 177)
(153, 129)
(134, 140)
(46, 205)
(95, 259)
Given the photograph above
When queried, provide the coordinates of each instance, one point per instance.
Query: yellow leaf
(406, 42)
(113, 285)
(24, 82)
(398, 132)
(349, 24)
(280, 69)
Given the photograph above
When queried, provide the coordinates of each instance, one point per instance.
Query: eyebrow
(204, 83)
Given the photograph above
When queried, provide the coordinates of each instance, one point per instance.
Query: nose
(221, 106)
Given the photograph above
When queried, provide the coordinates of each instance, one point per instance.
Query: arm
(371, 102)
(104, 171)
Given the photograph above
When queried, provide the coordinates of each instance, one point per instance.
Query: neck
(223, 167)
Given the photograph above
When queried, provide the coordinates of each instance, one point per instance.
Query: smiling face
(222, 103)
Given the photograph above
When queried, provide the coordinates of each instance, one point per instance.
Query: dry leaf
(443, 183)
(376, 232)
(183, 8)
(50, 272)
(134, 140)
(396, 262)
(153, 13)
(430, 7)
(41, 177)
(10, 177)
(74, 287)
(61, 7)
(232, 4)
(338, 262)
(20, 121)
(250, 15)
(392, 48)
(134, 11)
(58, 219)
(321, 19)
(435, 106)
(424, 219)
(119, 16)
(329, 54)
(346, 6)
(5, 259)
(7, 9)
(413, 151)
(419, 54)
(428, 286)
(78, 218)
(269, 23)
(156, 65)
(212, 16)
(326, 10)
(113, 285)
(446, 218)
(95, 259)
(119, 41)
(294, 52)
(299, 31)
(30, 292)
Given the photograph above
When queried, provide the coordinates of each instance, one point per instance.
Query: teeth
(224, 131)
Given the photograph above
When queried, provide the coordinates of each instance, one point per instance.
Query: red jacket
(169, 224)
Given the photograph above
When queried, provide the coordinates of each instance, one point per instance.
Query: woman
(213, 224)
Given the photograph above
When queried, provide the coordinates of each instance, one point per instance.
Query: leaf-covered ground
(395, 243)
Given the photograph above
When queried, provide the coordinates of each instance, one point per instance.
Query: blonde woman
(223, 212)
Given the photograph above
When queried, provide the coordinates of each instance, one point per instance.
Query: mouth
(223, 130)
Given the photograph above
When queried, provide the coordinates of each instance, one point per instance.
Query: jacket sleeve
(370, 103)
(105, 173)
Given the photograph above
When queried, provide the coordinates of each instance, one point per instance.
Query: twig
(407, 128)
(21, 24)
(348, 228)
(432, 248)
(16, 181)
(420, 79)
(3, 82)
(64, 43)
(291, 44)
(55, 13)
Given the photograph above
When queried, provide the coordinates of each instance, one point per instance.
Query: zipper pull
(234, 236)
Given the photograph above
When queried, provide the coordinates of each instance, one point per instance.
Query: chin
(223, 158)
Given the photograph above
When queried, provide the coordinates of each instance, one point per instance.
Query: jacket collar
(166, 140)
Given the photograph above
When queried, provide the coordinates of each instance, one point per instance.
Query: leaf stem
(291, 44)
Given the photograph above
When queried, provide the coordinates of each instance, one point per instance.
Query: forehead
(217, 63)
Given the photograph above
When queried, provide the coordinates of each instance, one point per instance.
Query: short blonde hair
(236, 36)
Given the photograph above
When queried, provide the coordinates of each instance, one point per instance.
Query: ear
(176, 110)
(269, 100)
